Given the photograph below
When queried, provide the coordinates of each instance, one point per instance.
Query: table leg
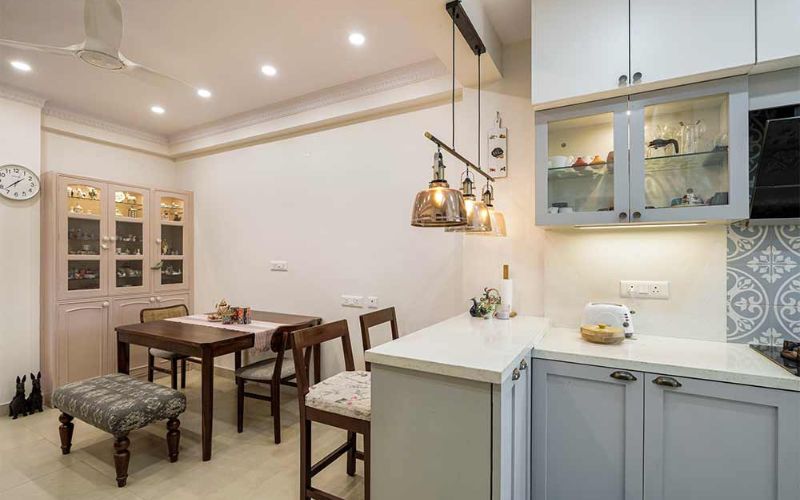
(237, 359)
(207, 402)
(317, 363)
(123, 356)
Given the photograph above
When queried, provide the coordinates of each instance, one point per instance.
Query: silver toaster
(606, 313)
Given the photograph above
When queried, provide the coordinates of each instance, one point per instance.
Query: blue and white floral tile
(763, 283)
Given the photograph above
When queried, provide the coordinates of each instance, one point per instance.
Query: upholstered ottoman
(119, 404)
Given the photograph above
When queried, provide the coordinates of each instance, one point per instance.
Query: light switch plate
(644, 289)
(352, 300)
(278, 265)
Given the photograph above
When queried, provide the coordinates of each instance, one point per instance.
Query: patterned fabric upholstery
(160, 353)
(262, 371)
(346, 393)
(160, 313)
(118, 403)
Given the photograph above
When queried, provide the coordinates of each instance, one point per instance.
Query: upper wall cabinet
(778, 28)
(584, 50)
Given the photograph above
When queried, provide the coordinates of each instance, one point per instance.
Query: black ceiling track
(465, 26)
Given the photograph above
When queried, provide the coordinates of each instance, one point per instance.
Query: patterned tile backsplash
(763, 283)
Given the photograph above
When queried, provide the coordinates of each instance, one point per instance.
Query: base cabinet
(511, 434)
(615, 434)
(82, 340)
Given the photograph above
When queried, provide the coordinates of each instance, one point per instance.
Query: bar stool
(376, 318)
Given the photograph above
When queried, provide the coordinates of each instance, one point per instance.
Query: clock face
(18, 182)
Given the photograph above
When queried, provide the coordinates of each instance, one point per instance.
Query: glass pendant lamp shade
(439, 205)
(478, 220)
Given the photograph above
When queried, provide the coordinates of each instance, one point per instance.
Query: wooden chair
(374, 319)
(341, 401)
(159, 313)
(274, 372)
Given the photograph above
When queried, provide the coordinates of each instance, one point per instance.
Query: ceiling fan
(102, 20)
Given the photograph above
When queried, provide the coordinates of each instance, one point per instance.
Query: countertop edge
(436, 368)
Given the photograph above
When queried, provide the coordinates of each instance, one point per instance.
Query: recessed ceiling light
(21, 66)
(204, 93)
(269, 70)
(357, 39)
(157, 110)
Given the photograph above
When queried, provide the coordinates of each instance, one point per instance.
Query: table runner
(262, 330)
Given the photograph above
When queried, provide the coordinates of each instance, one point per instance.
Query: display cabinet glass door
(130, 271)
(171, 242)
(582, 164)
(689, 153)
(83, 238)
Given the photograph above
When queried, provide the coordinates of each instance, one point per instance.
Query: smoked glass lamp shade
(439, 206)
(498, 224)
(478, 219)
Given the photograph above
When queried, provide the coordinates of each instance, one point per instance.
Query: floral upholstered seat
(346, 393)
(118, 403)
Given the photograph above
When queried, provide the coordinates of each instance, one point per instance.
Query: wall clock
(18, 183)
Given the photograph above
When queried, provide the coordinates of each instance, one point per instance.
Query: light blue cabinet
(511, 434)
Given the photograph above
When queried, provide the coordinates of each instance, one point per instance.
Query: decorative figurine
(35, 399)
(18, 406)
(484, 308)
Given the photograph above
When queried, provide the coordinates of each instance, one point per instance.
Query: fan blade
(102, 23)
(61, 51)
(151, 76)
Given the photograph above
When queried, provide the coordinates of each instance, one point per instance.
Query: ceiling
(219, 45)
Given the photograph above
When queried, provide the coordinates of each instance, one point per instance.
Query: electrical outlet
(278, 265)
(644, 289)
(372, 302)
(352, 300)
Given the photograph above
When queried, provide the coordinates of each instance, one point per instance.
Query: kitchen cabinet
(778, 25)
(715, 440)
(172, 245)
(583, 51)
(587, 432)
(511, 435)
(673, 155)
(82, 340)
(619, 434)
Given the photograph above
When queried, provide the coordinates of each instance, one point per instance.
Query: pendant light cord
(453, 95)
(479, 110)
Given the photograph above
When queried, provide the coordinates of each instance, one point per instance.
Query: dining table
(190, 336)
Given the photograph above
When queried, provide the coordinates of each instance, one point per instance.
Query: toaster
(606, 313)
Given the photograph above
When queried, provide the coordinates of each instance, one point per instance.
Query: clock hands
(8, 188)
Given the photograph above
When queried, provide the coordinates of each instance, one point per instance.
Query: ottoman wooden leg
(121, 459)
(65, 431)
(173, 438)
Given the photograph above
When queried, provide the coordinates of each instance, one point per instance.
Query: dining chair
(274, 372)
(376, 318)
(342, 401)
(159, 313)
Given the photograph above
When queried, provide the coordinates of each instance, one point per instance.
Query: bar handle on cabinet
(667, 382)
(623, 375)
(515, 374)
(523, 365)
(623, 80)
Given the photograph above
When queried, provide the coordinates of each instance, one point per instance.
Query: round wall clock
(18, 183)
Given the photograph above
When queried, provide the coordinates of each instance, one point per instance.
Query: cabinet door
(582, 164)
(521, 440)
(579, 47)
(689, 153)
(716, 440)
(83, 240)
(171, 243)
(173, 300)
(81, 340)
(129, 212)
(125, 311)
(778, 26)
(685, 37)
(587, 432)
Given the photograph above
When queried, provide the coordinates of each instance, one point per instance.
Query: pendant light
(496, 216)
(440, 205)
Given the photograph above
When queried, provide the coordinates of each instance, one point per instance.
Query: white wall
(19, 251)
(336, 205)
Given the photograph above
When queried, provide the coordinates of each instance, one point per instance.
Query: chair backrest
(376, 318)
(157, 313)
(307, 338)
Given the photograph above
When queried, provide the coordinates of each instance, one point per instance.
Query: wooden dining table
(206, 343)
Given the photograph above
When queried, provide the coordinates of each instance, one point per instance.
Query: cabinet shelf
(72, 215)
(687, 161)
(570, 172)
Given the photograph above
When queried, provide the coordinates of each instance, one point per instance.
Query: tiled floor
(247, 465)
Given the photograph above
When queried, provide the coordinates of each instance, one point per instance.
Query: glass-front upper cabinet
(83, 243)
(129, 231)
(688, 153)
(582, 164)
(172, 241)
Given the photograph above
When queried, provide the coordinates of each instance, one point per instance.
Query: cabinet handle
(637, 215)
(105, 304)
(105, 238)
(622, 375)
(637, 77)
(158, 240)
(523, 365)
(515, 374)
(623, 80)
(667, 382)
(152, 299)
(104, 246)
(623, 215)
(158, 299)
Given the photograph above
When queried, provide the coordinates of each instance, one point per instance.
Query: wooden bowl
(602, 334)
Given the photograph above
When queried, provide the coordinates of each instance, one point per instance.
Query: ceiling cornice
(374, 84)
(97, 123)
(15, 94)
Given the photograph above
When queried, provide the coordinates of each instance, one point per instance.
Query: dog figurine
(35, 398)
(18, 406)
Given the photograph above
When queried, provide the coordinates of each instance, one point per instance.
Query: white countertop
(720, 361)
(464, 347)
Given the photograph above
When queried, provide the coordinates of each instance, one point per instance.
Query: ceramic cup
(553, 210)
(557, 161)
(565, 210)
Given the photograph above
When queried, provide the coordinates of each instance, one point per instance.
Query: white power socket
(278, 265)
(644, 289)
(372, 302)
(352, 301)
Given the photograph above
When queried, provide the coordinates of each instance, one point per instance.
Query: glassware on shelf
(692, 135)
(129, 204)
